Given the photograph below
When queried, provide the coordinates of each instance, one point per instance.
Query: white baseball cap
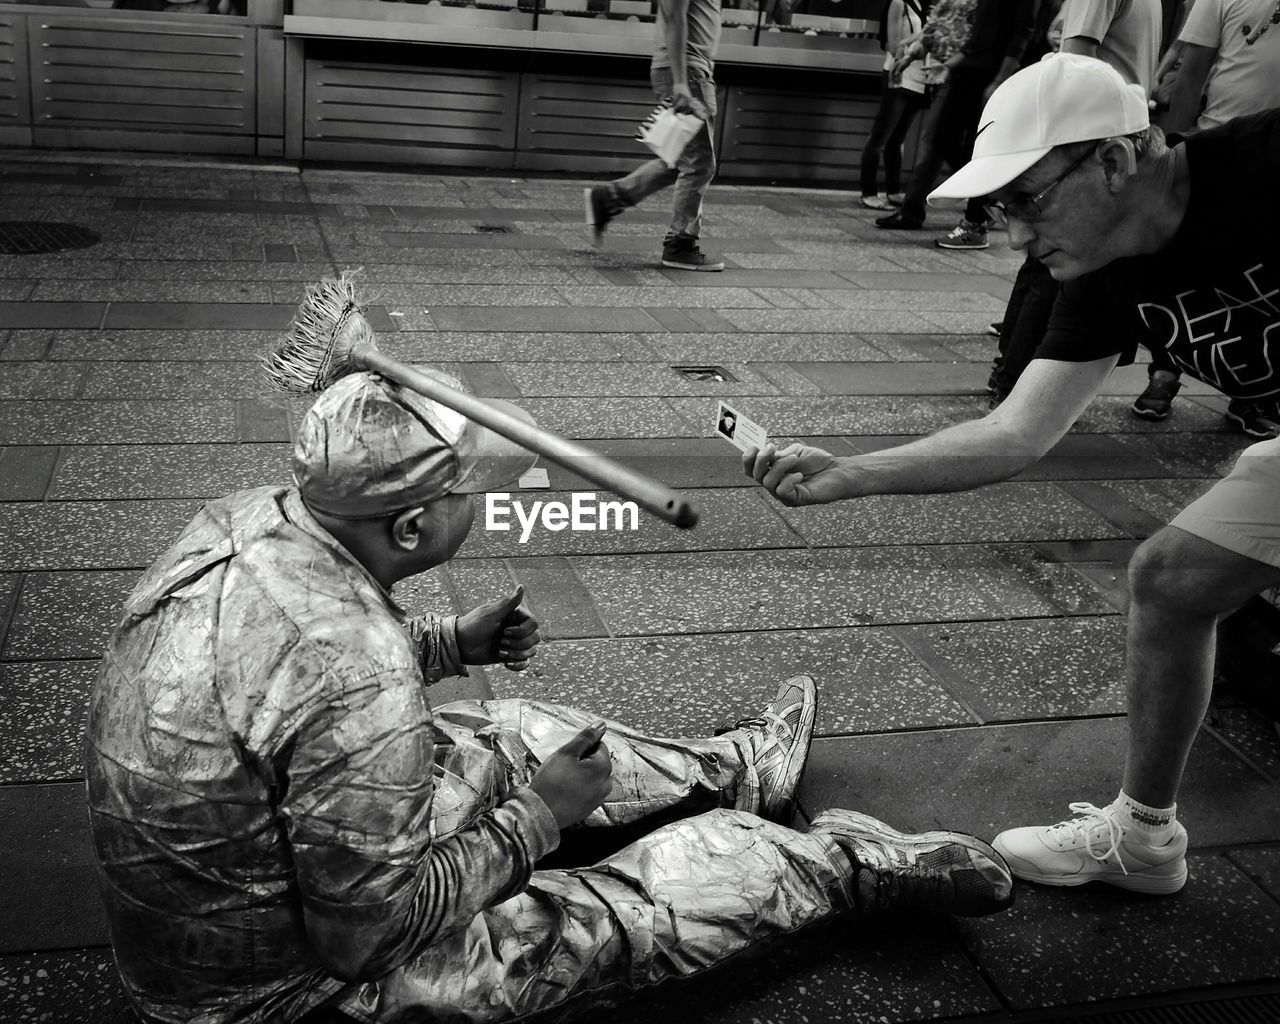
(1062, 99)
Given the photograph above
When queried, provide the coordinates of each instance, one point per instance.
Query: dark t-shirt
(1211, 297)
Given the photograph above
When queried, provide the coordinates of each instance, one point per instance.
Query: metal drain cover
(26, 238)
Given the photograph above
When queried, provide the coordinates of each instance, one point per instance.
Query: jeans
(898, 108)
(1026, 318)
(948, 138)
(694, 169)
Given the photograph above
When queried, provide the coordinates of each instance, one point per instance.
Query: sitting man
(285, 828)
(1133, 228)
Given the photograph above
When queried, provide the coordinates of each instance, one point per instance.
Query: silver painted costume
(281, 820)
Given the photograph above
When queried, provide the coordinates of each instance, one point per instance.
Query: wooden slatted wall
(403, 114)
(568, 122)
(15, 95)
(816, 136)
(151, 84)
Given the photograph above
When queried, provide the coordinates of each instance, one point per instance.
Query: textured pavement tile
(58, 266)
(699, 592)
(67, 614)
(249, 316)
(859, 378)
(427, 277)
(175, 380)
(587, 379)
(400, 296)
(822, 415)
(17, 290)
(1000, 512)
(24, 345)
(25, 472)
(1252, 734)
(773, 347)
(1113, 414)
(841, 320)
(540, 318)
(745, 278)
(554, 593)
(607, 417)
(1072, 588)
(51, 314)
(1111, 505)
(151, 291)
(42, 716)
(928, 303)
(40, 380)
(730, 519)
(1040, 668)
(1262, 864)
(10, 583)
(689, 685)
(671, 296)
(1162, 499)
(90, 534)
(1208, 455)
(982, 780)
(69, 987)
(107, 346)
(433, 347)
(1057, 947)
(851, 259)
(263, 419)
(200, 271)
(900, 280)
(54, 903)
(138, 422)
(431, 240)
(905, 968)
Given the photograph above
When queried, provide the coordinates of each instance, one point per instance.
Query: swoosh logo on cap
(983, 128)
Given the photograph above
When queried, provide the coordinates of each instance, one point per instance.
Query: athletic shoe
(896, 198)
(947, 871)
(684, 254)
(1095, 847)
(995, 328)
(875, 202)
(602, 205)
(965, 235)
(900, 222)
(1253, 419)
(1157, 401)
(780, 738)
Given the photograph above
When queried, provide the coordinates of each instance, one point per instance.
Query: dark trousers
(1160, 361)
(1026, 318)
(898, 108)
(948, 138)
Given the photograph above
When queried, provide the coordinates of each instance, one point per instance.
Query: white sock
(1155, 824)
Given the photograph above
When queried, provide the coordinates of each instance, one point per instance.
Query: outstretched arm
(1048, 398)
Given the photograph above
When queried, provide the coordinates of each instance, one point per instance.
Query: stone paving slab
(90, 534)
(69, 614)
(42, 716)
(116, 422)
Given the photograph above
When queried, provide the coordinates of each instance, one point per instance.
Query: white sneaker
(1095, 847)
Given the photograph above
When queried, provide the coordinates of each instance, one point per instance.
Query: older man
(1132, 225)
(285, 827)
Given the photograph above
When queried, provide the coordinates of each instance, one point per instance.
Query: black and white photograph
(700, 511)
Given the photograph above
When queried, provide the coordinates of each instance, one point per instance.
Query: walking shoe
(947, 871)
(685, 255)
(896, 198)
(1253, 419)
(875, 202)
(965, 235)
(603, 205)
(780, 738)
(1095, 847)
(900, 221)
(994, 329)
(1157, 401)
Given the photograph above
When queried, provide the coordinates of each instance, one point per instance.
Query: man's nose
(1021, 234)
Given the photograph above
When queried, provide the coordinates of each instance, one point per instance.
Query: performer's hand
(684, 102)
(799, 474)
(574, 780)
(503, 630)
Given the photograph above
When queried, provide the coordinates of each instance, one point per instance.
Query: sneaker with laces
(947, 871)
(780, 738)
(1253, 419)
(1157, 401)
(602, 205)
(875, 202)
(684, 254)
(1095, 847)
(965, 235)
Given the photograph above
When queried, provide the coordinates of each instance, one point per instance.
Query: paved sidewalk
(968, 647)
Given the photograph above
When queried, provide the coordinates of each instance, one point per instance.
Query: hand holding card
(740, 431)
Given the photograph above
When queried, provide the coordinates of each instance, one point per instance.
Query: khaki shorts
(1241, 512)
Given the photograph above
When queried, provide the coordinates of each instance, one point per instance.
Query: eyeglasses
(1029, 209)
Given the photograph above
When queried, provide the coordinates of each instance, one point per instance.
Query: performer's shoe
(602, 205)
(1095, 847)
(780, 737)
(947, 871)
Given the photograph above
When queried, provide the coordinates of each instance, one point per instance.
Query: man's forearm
(958, 458)
(676, 25)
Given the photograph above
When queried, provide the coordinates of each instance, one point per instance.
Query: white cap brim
(987, 174)
(499, 460)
